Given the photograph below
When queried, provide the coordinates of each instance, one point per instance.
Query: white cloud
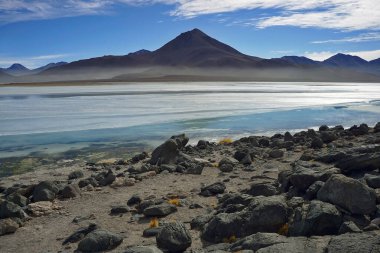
(33, 61)
(323, 55)
(365, 37)
(334, 14)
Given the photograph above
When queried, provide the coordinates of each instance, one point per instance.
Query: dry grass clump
(230, 239)
(175, 201)
(154, 223)
(284, 229)
(225, 141)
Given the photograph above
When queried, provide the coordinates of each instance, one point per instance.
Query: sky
(37, 32)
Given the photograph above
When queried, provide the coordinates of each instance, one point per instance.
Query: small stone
(134, 200)
(71, 191)
(151, 232)
(99, 240)
(159, 210)
(8, 226)
(119, 210)
(76, 174)
(213, 189)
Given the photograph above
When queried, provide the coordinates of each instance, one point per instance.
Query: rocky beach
(311, 191)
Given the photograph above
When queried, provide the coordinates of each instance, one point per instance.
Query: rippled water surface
(58, 118)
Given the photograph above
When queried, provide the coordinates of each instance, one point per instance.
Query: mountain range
(18, 69)
(194, 55)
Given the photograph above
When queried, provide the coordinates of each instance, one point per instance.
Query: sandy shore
(290, 171)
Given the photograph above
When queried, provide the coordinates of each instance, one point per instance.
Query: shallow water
(55, 119)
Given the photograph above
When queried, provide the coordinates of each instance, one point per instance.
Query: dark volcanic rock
(160, 210)
(263, 189)
(356, 242)
(45, 191)
(108, 178)
(11, 210)
(349, 194)
(373, 181)
(80, 234)
(317, 218)
(263, 214)
(223, 225)
(174, 237)
(316, 143)
(328, 136)
(71, 191)
(213, 189)
(312, 191)
(376, 129)
(276, 153)
(119, 210)
(76, 174)
(99, 240)
(134, 200)
(199, 222)
(169, 151)
(150, 232)
(359, 162)
(226, 168)
(17, 199)
(359, 130)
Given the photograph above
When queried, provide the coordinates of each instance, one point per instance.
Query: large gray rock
(99, 240)
(263, 214)
(359, 162)
(213, 189)
(354, 242)
(316, 218)
(349, 194)
(223, 225)
(200, 221)
(71, 191)
(45, 191)
(80, 234)
(174, 237)
(160, 210)
(262, 189)
(169, 151)
(373, 181)
(17, 199)
(11, 210)
(275, 243)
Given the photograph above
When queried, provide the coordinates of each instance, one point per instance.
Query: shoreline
(208, 188)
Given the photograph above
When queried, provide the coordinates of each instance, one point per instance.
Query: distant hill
(16, 69)
(194, 55)
(48, 66)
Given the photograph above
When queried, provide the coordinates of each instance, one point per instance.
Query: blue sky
(37, 32)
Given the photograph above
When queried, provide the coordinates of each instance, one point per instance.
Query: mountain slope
(345, 60)
(300, 60)
(17, 70)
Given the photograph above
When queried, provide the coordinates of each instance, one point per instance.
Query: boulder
(174, 237)
(359, 162)
(323, 128)
(18, 199)
(119, 210)
(169, 151)
(265, 214)
(316, 143)
(213, 189)
(80, 234)
(288, 137)
(376, 129)
(11, 210)
(349, 194)
(222, 226)
(229, 161)
(373, 181)
(107, 179)
(262, 189)
(354, 242)
(328, 136)
(316, 218)
(199, 222)
(276, 153)
(159, 210)
(71, 191)
(226, 168)
(134, 200)
(76, 174)
(45, 191)
(8, 226)
(99, 240)
(312, 191)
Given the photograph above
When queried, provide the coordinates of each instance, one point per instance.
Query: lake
(56, 119)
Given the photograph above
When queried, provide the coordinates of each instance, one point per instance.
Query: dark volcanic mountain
(49, 66)
(17, 70)
(346, 60)
(300, 60)
(189, 49)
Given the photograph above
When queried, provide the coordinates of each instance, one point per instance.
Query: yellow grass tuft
(175, 201)
(215, 165)
(154, 223)
(284, 230)
(225, 141)
(230, 239)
